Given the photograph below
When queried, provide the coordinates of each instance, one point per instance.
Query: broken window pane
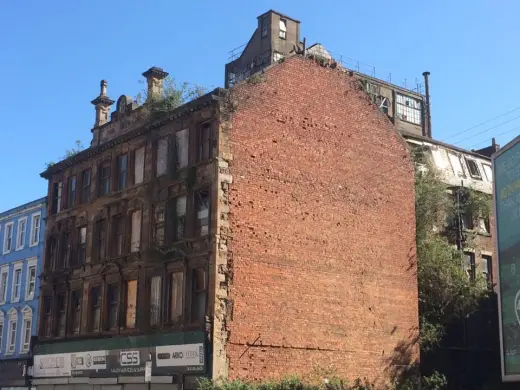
(202, 209)
(181, 217)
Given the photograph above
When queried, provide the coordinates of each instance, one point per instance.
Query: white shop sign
(179, 355)
(52, 365)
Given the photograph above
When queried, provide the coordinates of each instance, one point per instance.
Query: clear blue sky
(53, 55)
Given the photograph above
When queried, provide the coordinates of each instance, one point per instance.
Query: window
(17, 282)
(8, 237)
(265, 26)
(155, 300)
(95, 308)
(135, 237)
(27, 329)
(409, 109)
(82, 245)
(35, 229)
(104, 179)
(466, 219)
(487, 265)
(61, 315)
(20, 234)
(112, 306)
(484, 225)
(202, 209)
(85, 180)
(162, 156)
(57, 189)
(139, 166)
(283, 28)
(180, 218)
(182, 147)
(122, 163)
(204, 142)
(30, 283)
(72, 191)
(488, 172)
(13, 324)
(75, 308)
(198, 306)
(100, 240)
(47, 316)
(117, 235)
(52, 253)
(473, 169)
(4, 276)
(131, 303)
(159, 225)
(63, 258)
(469, 264)
(456, 164)
(176, 296)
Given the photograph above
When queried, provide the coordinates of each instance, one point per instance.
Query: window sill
(19, 248)
(33, 244)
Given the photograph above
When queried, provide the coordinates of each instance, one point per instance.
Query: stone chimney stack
(154, 78)
(102, 104)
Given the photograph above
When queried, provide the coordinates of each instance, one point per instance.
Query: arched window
(27, 313)
(11, 330)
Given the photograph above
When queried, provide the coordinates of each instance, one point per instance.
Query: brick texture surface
(323, 229)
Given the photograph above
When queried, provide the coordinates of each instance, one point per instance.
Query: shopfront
(155, 362)
(13, 374)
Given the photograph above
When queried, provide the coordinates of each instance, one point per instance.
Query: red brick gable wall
(323, 228)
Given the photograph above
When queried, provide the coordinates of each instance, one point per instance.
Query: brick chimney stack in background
(102, 104)
(154, 78)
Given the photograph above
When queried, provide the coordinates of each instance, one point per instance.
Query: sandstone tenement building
(250, 233)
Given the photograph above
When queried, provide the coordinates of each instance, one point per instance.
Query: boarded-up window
(440, 159)
(131, 303)
(155, 300)
(162, 156)
(182, 145)
(139, 166)
(176, 296)
(136, 231)
(75, 303)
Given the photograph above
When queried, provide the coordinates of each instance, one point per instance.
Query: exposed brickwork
(322, 223)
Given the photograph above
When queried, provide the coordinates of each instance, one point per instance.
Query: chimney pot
(103, 91)
(102, 104)
(154, 78)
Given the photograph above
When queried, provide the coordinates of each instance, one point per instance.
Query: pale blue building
(22, 232)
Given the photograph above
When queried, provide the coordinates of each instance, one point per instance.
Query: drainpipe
(428, 125)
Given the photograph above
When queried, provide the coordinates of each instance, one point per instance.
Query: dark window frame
(118, 235)
(204, 142)
(60, 315)
(122, 171)
(112, 306)
(101, 241)
(72, 191)
(75, 311)
(473, 169)
(93, 306)
(197, 201)
(86, 182)
(57, 197)
(104, 178)
(197, 290)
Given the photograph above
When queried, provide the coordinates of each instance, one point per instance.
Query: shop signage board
(165, 360)
(506, 202)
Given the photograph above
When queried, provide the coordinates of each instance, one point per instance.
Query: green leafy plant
(68, 153)
(173, 96)
(446, 293)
